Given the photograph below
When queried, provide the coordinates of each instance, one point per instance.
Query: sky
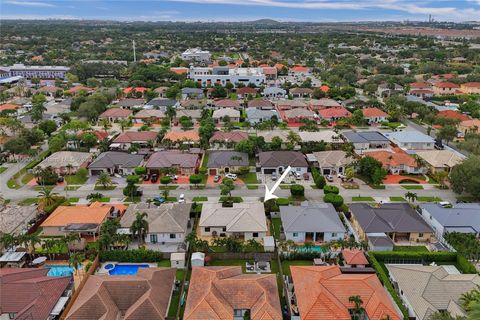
(243, 10)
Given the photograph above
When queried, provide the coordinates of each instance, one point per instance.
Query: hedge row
(140, 255)
(49, 209)
(331, 189)
(318, 178)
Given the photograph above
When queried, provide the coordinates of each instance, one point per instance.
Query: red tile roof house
(227, 103)
(299, 71)
(294, 117)
(374, 115)
(116, 114)
(245, 91)
(334, 114)
(28, 293)
(184, 163)
(134, 91)
(227, 139)
(323, 103)
(452, 114)
(470, 88)
(397, 162)
(270, 72)
(260, 104)
(354, 258)
(445, 88)
(323, 292)
(142, 138)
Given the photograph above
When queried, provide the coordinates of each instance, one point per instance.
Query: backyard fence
(260, 256)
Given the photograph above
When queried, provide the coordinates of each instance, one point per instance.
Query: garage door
(96, 172)
(212, 172)
(268, 171)
(326, 171)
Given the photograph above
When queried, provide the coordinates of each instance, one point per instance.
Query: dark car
(146, 177)
(154, 178)
(60, 179)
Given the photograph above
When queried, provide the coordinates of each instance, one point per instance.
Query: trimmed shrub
(140, 255)
(271, 206)
(165, 180)
(318, 178)
(133, 179)
(335, 199)
(297, 190)
(140, 171)
(331, 189)
(283, 202)
(465, 265)
(49, 209)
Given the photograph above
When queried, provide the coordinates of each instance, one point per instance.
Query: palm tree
(254, 244)
(76, 260)
(46, 197)
(468, 297)
(474, 312)
(8, 240)
(105, 124)
(170, 112)
(411, 196)
(69, 168)
(139, 226)
(70, 238)
(34, 239)
(293, 138)
(123, 124)
(105, 180)
(357, 312)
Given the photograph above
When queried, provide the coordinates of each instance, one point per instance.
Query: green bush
(165, 180)
(465, 265)
(331, 189)
(297, 190)
(335, 199)
(88, 266)
(318, 178)
(271, 206)
(140, 171)
(49, 209)
(133, 179)
(283, 202)
(82, 173)
(140, 255)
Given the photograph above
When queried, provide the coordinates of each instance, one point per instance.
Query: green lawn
(363, 199)
(410, 248)
(73, 199)
(205, 160)
(428, 199)
(252, 187)
(466, 199)
(103, 200)
(3, 169)
(413, 187)
(40, 188)
(277, 224)
(100, 187)
(76, 179)
(200, 199)
(285, 186)
(27, 177)
(164, 263)
(28, 201)
(167, 187)
(171, 199)
(234, 199)
(397, 199)
(249, 178)
(287, 263)
(134, 199)
(12, 184)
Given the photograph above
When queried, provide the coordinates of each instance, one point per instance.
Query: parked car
(232, 176)
(341, 176)
(154, 178)
(306, 176)
(216, 178)
(181, 198)
(158, 200)
(146, 177)
(173, 176)
(297, 176)
(329, 178)
(274, 176)
(60, 179)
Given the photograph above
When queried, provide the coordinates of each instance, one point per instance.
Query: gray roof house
(411, 140)
(366, 140)
(255, 115)
(192, 93)
(226, 161)
(397, 220)
(115, 162)
(167, 224)
(184, 162)
(277, 161)
(274, 92)
(463, 217)
(160, 103)
(312, 222)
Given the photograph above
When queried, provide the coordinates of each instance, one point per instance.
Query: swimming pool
(311, 249)
(124, 269)
(60, 270)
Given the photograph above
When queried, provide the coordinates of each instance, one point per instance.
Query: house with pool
(168, 224)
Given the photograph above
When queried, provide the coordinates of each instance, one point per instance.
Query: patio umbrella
(39, 260)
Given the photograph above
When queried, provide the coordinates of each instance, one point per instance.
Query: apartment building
(223, 75)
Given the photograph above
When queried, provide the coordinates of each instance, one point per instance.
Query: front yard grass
(285, 186)
(428, 199)
(27, 177)
(12, 184)
(167, 187)
(76, 179)
(413, 187)
(200, 199)
(397, 199)
(234, 199)
(73, 200)
(363, 199)
(3, 169)
(249, 178)
(100, 187)
(410, 248)
(171, 199)
(28, 201)
(252, 187)
(134, 199)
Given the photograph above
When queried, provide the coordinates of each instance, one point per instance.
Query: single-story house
(116, 114)
(195, 115)
(255, 115)
(462, 217)
(142, 138)
(301, 92)
(323, 103)
(227, 103)
(396, 162)
(228, 139)
(317, 223)
(354, 258)
(385, 89)
(330, 162)
(398, 220)
(270, 134)
(185, 163)
(113, 162)
(297, 115)
(192, 93)
(374, 115)
(290, 104)
(66, 162)
(440, 160)
(260, 104)
(327, 136)
(468, 126)
(243, 93)
(168, 223)
(274, 92)
(193, 104)
(411, 140)
(425, 290)
(152, 115)
(226, 161)
(130, 103)
(190, 137)
(244, 220)
(452, 114)
(277, 161)
(160, 103)
(219, 293)
(365, 140)
(220, 114)
(334, 114)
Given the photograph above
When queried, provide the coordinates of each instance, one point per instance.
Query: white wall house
(224, 75)
(196, 54)
(41, 72)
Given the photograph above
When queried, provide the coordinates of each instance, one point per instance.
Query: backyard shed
(177, 260)
(268, 244)
(198, 259)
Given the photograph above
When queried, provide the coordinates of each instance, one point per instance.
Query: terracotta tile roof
(279, 66)
(179, 70)
(247, 90)
(143, 296)
(29, 293)
(8, 106)
(299, 69)
(227, 103)
(354, 256)
(324, 88)
(393, 159)
(233, 136)
(182, 135)
(446, 85)
(134, 136)
(421, 91)
(64, 215)
(471, 85)
(215, 292)
(420, 85)
(452, 114)
(136, 89)
(116, 112)
(259, 104)
(269, 70)
(337, 112)
(323, 293)
(373, 112)
(77, 89)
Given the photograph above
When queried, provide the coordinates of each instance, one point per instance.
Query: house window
(420, 235)
(334, 235)
(295, 234)
(11, 315)
(255, 234)
(224, 229)
(172, 235)
(153, 238)
(207, 229)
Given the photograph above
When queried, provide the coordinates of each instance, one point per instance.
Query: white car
(181, 198)
(341, 176)
(232, 176)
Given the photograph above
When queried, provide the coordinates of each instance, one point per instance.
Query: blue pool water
(126, 269)
(60, 270)
(311, 249)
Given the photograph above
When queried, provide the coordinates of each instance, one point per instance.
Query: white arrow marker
(269, 193)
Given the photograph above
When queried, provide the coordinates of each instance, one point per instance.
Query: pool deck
(103, 271)
(77, 276)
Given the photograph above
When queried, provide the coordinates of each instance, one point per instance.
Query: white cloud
(29, 4)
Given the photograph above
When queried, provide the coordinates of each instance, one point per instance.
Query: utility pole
(134, 53)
